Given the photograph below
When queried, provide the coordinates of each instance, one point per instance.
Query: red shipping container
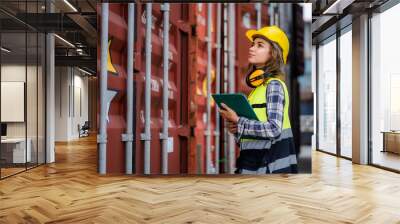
(187, 84)
(116, 91)
(179, 47)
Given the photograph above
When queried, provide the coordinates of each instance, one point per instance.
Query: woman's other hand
(232, 128)
(229, 114)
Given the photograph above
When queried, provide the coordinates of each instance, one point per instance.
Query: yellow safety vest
(258, 100)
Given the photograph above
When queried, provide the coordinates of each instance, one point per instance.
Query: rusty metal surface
(116, 87)
(178, 89)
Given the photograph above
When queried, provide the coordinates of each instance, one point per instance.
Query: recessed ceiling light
(84, 71)
(65, 41)
(338, 6)
(5, 50)
(70, 5)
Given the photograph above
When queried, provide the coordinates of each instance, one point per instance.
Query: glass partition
(22, 78)
(327, 96)
(41, 86)
(15, 150)
(31, 98)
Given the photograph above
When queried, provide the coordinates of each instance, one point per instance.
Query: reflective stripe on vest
(258, 100)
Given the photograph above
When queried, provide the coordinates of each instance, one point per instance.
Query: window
(327, 96)
(385, 88)
(346, 93)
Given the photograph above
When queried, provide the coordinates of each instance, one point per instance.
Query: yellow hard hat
(274, 34)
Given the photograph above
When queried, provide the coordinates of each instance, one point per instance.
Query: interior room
(22, 100)
(25, 91)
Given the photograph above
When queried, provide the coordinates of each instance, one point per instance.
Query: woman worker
(266, 145)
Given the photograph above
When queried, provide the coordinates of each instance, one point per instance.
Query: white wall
(80, 100)
(33, 127)
(14, 73)
(71, 94)
(62, 82)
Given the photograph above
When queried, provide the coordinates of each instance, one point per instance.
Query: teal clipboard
(237, 102)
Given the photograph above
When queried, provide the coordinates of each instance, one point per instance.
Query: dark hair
(274, 65)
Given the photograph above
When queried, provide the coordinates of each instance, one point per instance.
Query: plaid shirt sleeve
(271, 128)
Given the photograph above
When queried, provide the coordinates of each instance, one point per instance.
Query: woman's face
(260, 52)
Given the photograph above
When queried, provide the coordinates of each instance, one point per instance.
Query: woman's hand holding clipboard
(230, 116)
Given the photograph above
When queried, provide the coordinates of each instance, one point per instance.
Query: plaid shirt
(271, 128)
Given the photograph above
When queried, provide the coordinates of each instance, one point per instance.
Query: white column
(360, 90)
(50, 93)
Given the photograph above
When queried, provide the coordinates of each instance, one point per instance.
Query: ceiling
(74, 22)
(330, 15)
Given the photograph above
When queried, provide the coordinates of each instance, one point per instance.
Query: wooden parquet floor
(70, 191)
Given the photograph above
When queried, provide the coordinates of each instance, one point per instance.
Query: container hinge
(145, 137)
(218, 46)
(101, 139)
(165, 7)
(127, 137)
(216, 133)
(163, 136)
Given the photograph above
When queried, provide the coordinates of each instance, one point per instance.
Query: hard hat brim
(253, 34)
(250, 34)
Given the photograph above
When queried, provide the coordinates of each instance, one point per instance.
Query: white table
(18, 145)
